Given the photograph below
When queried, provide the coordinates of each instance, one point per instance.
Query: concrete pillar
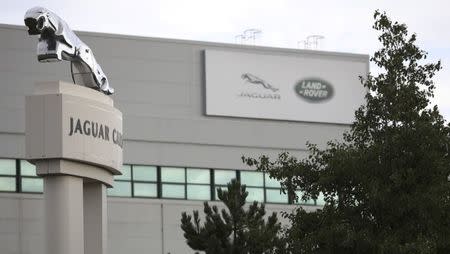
(76, 164)
(63, 195)
(95, 218)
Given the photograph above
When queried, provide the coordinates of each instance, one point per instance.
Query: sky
(345, 24)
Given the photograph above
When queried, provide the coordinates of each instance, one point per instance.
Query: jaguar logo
(250, 78)
(314, 90)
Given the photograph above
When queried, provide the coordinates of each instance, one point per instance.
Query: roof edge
(362, 57)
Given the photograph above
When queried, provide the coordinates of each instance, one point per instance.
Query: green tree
(235, 229)
(385, 185)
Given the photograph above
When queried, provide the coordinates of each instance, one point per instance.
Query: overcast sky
(346, 24)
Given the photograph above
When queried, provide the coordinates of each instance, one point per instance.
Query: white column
(63, 196)
(95, 218)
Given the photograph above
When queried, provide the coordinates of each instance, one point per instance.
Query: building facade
(191, 110)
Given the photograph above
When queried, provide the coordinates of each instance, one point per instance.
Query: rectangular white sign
(301, 87)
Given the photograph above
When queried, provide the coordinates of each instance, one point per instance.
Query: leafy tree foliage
(385, 185)
(235, 229)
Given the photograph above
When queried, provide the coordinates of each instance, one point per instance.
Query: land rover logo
(314, 90)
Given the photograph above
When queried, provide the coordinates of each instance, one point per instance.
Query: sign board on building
(298, 87)
(76, 123)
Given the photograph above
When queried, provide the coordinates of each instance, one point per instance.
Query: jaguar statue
(58, 42)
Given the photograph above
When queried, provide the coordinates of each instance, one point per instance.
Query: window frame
(18, 178)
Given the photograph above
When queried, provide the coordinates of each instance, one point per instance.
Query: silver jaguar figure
(58, 42)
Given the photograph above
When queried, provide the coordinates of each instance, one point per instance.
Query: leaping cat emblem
(58, 42)
(255, 80)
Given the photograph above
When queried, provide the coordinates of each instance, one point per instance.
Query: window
(122, 183)
(7, 167)
(255, 194)
(221, 179)
(126, 173)
(251, 178)
(320, 199)
(30, 182)
(7, 175)
(303, 202)
(276, 196)
(271, 182)
(273, 191)
(255, 185)
(200, 176)
(145, 190)
(121, 189)
(145, 181)
(144, 173)
(198, 184)
(173, 182)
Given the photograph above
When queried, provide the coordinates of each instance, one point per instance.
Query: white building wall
(135, 226)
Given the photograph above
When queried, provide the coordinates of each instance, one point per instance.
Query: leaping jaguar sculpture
(58, 42)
